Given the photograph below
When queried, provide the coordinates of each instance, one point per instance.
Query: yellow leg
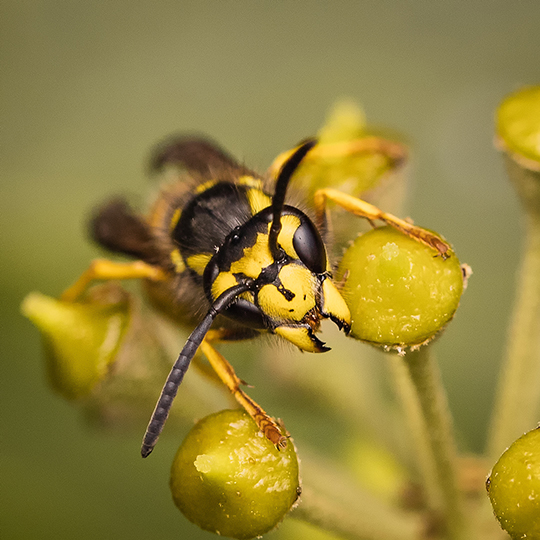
(366, 210)
(227, 375)
(104, 269)
(220, 334)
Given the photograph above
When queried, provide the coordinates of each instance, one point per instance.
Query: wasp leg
(221, 334)
(370, 212)
(103, 269)
(227, 375)
(231, 334)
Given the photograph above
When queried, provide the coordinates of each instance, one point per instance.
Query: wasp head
(280, 252)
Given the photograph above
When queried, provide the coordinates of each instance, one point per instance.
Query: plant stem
(331, 501)
(516, 409)
(353, 523)
(420, 446)
(438, 425)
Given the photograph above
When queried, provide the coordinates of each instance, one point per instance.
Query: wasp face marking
(288, 295)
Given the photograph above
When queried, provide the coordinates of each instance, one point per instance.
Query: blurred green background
(87, 87)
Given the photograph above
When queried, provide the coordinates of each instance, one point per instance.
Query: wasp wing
(194, 154)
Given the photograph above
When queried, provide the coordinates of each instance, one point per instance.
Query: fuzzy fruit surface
(398, 292)
(228, 478)
(514, 488)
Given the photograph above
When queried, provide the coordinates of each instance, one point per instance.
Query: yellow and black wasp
(221, 254)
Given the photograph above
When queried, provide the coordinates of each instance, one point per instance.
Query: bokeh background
(87, 87)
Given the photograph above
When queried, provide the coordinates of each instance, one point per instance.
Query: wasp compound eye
(308, 244)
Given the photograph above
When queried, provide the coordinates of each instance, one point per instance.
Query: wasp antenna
(278, 200)
(176, 375)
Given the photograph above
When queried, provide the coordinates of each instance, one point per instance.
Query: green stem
(419, 437)
(438, 423)
(353, 523)
(332, 502)
(516, 409)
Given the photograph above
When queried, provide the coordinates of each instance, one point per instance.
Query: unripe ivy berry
(514, 488)
(81, 339)
(228, 478)
(399, 293)
(518, 123)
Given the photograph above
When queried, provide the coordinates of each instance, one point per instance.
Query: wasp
(225, 255)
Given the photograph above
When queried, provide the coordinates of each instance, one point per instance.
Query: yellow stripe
(223, 282)
(254, 259)
(251, 182)
(175, 218)
(258, 256)
(258, 200)
(205, 185)
(177, 260)
(198, 262)
(289, 224)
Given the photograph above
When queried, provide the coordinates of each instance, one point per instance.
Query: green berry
(399, 293)
(341, 160)
(518, 122)
(228, 478)
(81, 339)
(514, 488)
(345, 121)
